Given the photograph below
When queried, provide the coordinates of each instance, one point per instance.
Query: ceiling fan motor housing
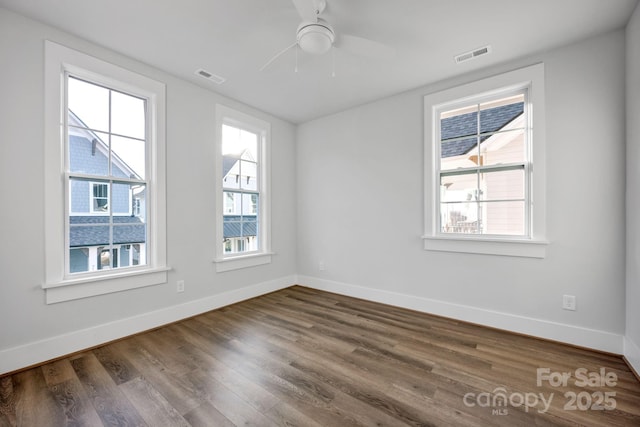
(315, 37)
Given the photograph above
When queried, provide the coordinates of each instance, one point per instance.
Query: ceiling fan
(316, 36)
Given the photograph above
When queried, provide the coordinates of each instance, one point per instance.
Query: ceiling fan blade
(307, 9)
(366, 47)
(276, 56)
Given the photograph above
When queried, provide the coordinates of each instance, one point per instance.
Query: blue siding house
(106, 220)
(240, 221)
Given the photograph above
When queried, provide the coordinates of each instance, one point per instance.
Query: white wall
(360, 208)
(632, 335)
(30, 330)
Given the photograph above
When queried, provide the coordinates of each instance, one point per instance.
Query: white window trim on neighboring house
(534, 243)
(59, 284)
(92, 185)
(234, 261)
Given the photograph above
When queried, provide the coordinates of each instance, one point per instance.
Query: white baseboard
(632, 354)
(583, 337)
(34, 353)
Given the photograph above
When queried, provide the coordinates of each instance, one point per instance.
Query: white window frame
(59, 285)
(92, 211)
(534, 243)
(233, 261)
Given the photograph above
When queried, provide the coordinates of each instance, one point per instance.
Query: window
(106, 142)
(106, 124)
(242, 190)
(483, 166)
(99, 198)
(481, 143)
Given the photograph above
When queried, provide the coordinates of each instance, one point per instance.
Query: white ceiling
(235, 38)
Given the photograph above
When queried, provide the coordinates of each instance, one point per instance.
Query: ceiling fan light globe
(315, 38)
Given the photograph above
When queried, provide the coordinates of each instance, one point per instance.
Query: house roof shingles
(453, 130)
(94, 230)
(240, 226)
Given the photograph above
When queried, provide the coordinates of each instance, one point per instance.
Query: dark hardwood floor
(301, 357)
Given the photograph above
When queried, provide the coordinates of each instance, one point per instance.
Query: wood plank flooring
(301, 357)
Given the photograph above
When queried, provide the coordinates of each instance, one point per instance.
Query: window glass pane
(497, 218)
(250, 145)
(240, 222)
(121, 203)
(127, 157)
(249, 173)
(86, 235)
(239, 158)
(230, 136)
(502, 185)
(460, 134)
(232, 229)
(459, 188)
(139, 201)
(459, 123)
(88, 152)
(91, 232)
(78, 260)
(250, 204)
(503, 148)
(239, 143)
(127, 115)
(230, 171)
(89, 103)
(459, 153)
(130, 230)
(250, 232)
(495, 115)
(460, 217)
(231, 203)
(79, 199)
(129, 222)
(505, 218)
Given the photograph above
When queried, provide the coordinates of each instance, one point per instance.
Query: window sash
(525, 165)
(242, 191)
(109, 179)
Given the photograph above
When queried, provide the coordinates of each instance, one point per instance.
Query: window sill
(487, 246)
(88, 286)
(242, 261)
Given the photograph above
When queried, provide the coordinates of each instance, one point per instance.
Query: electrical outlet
(569, 302)
(180, 286)
(321, 266)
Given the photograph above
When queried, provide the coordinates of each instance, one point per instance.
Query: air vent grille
(467, 56)
(210, 76)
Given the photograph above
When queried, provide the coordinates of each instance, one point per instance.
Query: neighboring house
(503, 144)
(240, 209)
(95, 215)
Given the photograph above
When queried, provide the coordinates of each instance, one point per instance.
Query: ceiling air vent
(468, 56)
(210, 76)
